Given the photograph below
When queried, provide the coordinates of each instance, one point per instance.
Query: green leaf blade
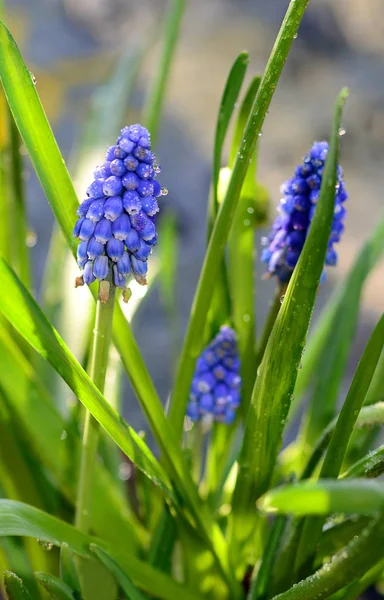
(215, 251)
(130, 590)
(37, 134)
(227, 106)
(273, 390)
(15, 588)
(57, 589)
(325, 497)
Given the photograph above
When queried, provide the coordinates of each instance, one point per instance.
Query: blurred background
(71, 47)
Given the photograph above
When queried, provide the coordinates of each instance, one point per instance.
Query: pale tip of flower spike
(104, 290)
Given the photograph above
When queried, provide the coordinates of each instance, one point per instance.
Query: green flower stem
(98, 368)
(218, 239)
(153, 108)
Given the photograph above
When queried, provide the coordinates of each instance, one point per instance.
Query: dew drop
(31, 239)
(282, 299)
(44, 544)
(295, 36)
(125, 471)
(246, 318)
(247, 222)
(342, 131)
(250, 210)
(163, 191)
(34, 80)
(64, 435)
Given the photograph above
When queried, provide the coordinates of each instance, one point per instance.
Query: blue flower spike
(297, 206)
(216, 384)
(116, 224)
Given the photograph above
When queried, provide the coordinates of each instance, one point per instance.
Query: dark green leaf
(130, 590)
(68, 572)
(369, 416)
(57, 589)
(340, 438)
(371, 465)
(360, 555)
(15, 588)
(327, 351)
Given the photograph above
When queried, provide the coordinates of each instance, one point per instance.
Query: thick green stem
(97, 372)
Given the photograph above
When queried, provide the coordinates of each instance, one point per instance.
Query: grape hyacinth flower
(116, 223)
(297, 206)
(215, 390)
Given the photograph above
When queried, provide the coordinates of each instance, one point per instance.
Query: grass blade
(369, 416)
(15, 588)
(155, 98)
(263, 578)
(56, 588)
(328, 347)
(353, 403)
(369, 466)
(340, 438)
(36, 133)
(68, 572)
(128, 587)
(17, 519)
(227, 106)
(325, 497)
(272, 393)
(215, 252)
(361, 441)
(241, 257)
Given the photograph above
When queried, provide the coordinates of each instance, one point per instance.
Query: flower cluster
(116, 222)
(297, 206)
(216, 382)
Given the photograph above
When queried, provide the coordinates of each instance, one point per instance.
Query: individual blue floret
(116, 222)
(216, 384)
(297, 206)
